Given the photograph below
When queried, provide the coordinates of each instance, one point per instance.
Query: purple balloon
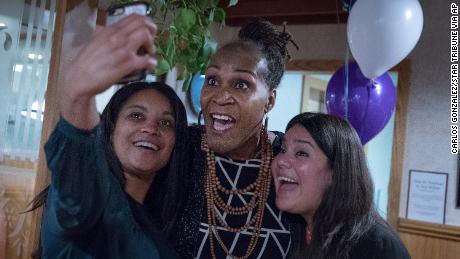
(370, 102)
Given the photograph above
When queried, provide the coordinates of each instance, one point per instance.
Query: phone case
(118, 12)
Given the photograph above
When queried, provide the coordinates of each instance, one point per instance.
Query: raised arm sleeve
(80, 184)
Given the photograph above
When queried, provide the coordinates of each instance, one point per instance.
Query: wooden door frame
(397, 157)
(50, 116)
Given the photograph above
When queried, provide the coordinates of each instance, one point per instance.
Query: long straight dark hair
(171, 176)
(346, 212)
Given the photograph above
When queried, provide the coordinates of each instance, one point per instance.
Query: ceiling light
(35, 56)
(35, 109)
(18, 68)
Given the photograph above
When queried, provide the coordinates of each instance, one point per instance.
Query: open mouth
(147, 145)
(286, 183)
(221, 122)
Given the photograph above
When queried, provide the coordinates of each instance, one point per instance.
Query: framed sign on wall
(427, 196)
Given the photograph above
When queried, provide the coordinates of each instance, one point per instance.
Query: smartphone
(116, 13)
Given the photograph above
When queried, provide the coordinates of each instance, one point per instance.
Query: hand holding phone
(118, 12)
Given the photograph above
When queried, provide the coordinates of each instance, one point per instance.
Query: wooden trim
(50, 117)
(397, 155)
(290, 11)
(26, 164)
(429, 229)
(314, 65)
(397, 158)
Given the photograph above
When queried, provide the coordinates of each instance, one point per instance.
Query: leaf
(187, 81)
(185, 20)
(184, 39)
(162, 67)
(232, 3)
(219, 15)
(209, 48)
(170, 49)
(198, 30)
(119, 2)
(180, 76)
(211, 15)
(205, 4)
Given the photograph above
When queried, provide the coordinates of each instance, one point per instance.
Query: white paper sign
(427, 196)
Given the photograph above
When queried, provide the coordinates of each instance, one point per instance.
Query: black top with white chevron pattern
(274, 239)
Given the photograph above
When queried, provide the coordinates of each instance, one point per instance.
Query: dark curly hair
(272, 43)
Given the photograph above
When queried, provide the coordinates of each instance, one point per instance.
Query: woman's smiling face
(235, 98)
(144, 134)
(301, 172)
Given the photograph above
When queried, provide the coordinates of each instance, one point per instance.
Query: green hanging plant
(183, 38)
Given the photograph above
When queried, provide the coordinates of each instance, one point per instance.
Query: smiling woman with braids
(230, 211)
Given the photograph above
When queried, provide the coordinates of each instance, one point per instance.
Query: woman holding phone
(99, 201)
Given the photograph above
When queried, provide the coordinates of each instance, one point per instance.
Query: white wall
(427, 144)
(288, 101)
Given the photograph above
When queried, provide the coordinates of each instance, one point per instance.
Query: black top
(188, 238)
(380, 243)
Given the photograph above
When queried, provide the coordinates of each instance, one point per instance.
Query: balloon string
(347, 58)
(345, 92)
(337, 11)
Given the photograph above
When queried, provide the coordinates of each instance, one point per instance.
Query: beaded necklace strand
(260, 187)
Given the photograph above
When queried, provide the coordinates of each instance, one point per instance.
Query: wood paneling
(16, 190)
(430, 241)
(25, 164)
(291, 11)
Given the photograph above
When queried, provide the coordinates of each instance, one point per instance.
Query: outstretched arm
(109, 56)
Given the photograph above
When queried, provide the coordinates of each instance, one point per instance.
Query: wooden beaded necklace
(260, 188)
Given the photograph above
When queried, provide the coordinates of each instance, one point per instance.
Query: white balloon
(381, 33)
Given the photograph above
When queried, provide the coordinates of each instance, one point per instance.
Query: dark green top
(87, 213)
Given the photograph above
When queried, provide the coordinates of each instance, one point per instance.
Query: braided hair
(272, 44)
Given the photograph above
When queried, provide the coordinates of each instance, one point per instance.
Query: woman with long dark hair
(99, 203)
(321, 174)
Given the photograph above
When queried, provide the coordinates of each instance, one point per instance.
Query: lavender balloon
(370, 102)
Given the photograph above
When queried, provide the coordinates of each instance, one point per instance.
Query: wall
(287, 93)
(428, 122)
(427, 144)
